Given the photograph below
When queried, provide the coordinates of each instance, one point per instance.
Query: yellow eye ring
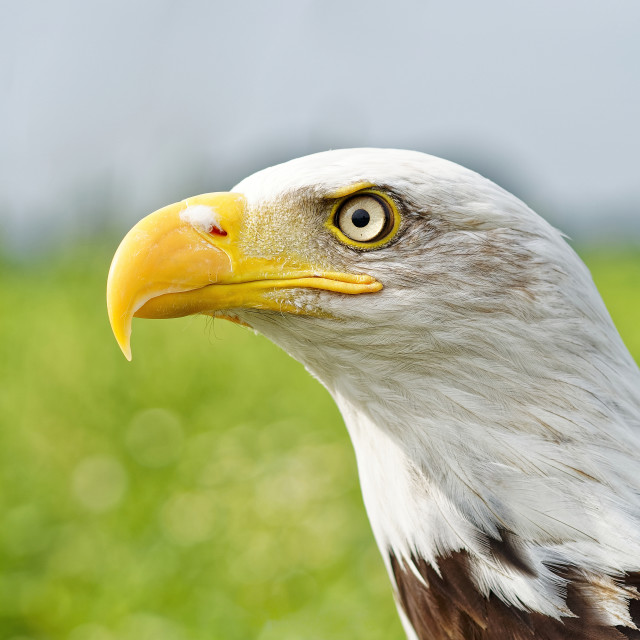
(367, 219)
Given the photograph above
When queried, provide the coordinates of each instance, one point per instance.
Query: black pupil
(360, 218)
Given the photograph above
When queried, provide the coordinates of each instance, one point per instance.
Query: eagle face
(476, 367)
(453, 238)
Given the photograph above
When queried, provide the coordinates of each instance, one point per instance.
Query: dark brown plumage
(451, 608)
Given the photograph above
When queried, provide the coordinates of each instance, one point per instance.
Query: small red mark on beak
(214, 231)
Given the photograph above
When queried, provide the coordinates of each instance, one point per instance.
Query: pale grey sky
(111, 109)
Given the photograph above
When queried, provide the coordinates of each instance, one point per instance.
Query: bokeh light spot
(99, 483)
(187, 518)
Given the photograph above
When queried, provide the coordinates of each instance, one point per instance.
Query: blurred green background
(205, 490)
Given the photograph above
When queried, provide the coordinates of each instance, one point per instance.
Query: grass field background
(206, 490)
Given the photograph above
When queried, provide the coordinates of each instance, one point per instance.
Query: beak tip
(123, 338)
(124, 342)
(122, 334)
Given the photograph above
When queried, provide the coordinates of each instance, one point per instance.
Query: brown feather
(450, 607)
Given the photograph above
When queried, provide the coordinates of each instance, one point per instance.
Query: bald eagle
(493, 408)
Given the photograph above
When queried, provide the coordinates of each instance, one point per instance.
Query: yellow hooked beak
(186, 258)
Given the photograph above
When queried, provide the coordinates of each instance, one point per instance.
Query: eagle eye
(365, 218)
